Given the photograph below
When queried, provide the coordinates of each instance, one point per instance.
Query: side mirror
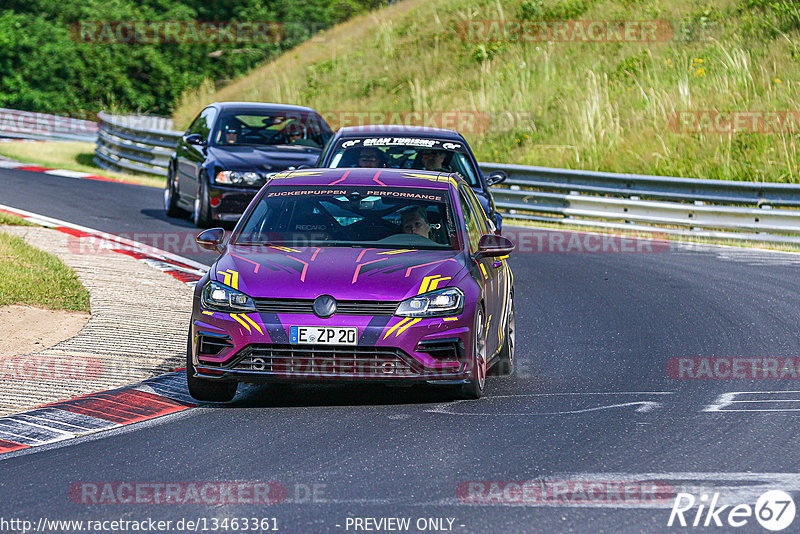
(494, 245)
(303, 166)
(211, 239)
(195, 139)
(496, 177)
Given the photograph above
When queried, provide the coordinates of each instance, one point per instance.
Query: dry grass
(599, 106)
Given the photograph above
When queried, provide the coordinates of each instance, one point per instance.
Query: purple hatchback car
(369, 275)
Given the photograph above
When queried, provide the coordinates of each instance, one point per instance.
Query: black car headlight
(443, 302)
(238, 178)
(220, 297)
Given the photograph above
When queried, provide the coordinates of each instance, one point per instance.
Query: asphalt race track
(591, 402)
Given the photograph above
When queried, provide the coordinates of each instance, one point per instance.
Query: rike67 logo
(774, 510)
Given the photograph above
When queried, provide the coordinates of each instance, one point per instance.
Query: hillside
(604, 105)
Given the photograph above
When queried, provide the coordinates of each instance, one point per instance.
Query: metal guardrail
(45, 127)
(135, 143)
(667, 205)
(682, 206)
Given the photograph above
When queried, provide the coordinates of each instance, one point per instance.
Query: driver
(231, 134)
(433, 160)
(415, 221)
(294, 133)
(371, 157)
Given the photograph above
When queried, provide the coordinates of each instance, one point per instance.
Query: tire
(201, 216)
(477, 383)
(207, 390)
(504, 366)
(171, 196)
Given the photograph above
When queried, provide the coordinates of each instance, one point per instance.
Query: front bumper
(255, 348)
(227, 203)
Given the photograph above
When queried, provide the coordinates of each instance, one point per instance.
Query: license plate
(323, 335)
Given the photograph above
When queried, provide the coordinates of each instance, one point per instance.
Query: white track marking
(643, 406)
(68, 174)
(728, 399)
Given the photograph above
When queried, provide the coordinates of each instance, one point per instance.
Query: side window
(471, 221)
(476, 206)
(202, 124)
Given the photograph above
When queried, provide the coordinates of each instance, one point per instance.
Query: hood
(343, 273)
(263, 158)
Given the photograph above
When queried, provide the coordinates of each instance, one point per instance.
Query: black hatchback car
(230, 151)
(412, 147)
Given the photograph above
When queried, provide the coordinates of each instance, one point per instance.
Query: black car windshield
(405, 153)
(394, 218)
(265, 127)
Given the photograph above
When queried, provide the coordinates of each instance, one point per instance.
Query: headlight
(449, 301)
(220, 297)
(238, 177)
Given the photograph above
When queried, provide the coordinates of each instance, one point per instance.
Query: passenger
(415, 221)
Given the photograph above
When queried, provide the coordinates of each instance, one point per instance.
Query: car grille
(324, 361)
(343, 307)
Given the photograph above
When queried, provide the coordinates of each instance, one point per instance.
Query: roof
(260, 105)
(367, 177)
(399, 129)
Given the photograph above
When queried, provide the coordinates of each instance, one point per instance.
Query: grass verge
(70, 155)
(33, 277)
(12, 220)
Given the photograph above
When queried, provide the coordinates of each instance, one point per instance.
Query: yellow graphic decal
(395, 327)
(450, 319)
(415, 321)
(429, 283)
(401, 251)
(435, 283)
(207, 313)
(249, 320)
(483, 270)
(230, 278)
(434, 178)
(284, 249)
(426, 282)
(241, 322)
(306, 173)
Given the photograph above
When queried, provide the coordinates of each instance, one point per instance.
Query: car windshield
(254, 127)
(398, 218)
(405, 153)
